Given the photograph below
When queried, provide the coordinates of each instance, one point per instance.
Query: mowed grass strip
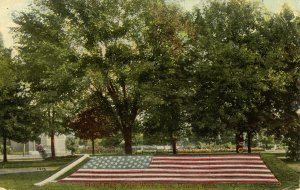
(49, 162)
(294, 165)
(286, 175)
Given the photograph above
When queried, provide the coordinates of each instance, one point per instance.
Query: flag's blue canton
(118, 162)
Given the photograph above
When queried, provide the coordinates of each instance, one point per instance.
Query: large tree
(284, 33)
(48, 64)
(112, 51)
(18, 119)
(166, 84)
(239, 66)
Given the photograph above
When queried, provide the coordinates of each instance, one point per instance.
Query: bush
(72, 144)
(102, 150)
(229, 145)
(114, 141)
(268, 142)
(292, 140)
(41, 150)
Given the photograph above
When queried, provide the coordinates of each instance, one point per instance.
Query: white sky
(7, 7)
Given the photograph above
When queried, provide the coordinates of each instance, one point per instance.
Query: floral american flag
(231, 168)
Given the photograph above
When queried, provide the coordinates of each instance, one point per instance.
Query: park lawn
(58, 162)
(294, 165)
(288, 177)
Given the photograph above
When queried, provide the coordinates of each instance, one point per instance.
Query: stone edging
(62, 171)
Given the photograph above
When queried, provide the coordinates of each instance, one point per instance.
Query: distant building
(45, 141)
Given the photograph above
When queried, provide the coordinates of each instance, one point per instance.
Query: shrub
(72, 144)
(41, 150)
(292, 140)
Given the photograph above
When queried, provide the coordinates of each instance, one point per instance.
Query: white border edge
(62, 171)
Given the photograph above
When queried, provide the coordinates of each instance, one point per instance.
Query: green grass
(294, 165)
(288, 177)
(74, 169)
(38, 163)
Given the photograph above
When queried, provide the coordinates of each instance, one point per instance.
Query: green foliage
(147, 59)
(113, 141)
(18, 116)
(7, 76)
(72, 144)
(8, 149)
(165, 89)
(164, 121)
(102, 47)
(46, 64)
(268, 142)
(292, 140)
(244, 70)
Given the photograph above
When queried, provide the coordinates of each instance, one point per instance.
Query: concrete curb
(62, 171)
(26, 170)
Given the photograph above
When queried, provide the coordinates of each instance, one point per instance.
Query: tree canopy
(18, 116)
(150, 61)
(241, 65)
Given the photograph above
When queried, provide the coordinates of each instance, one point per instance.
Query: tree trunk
(249, 134)
(24, 149)
(125, 115)
(127, 133)
(53, 153)
(173, 141)
(93, 146)
(237, 142)
(4, 148)
(239, 139)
